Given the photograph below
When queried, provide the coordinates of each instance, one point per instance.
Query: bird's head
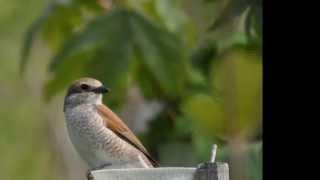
(85, 91)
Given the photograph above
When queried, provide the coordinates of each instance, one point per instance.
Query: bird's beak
(102, 90)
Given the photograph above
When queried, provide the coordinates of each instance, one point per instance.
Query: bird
(99, 136)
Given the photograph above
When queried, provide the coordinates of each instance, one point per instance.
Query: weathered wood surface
(145, 174)
(205, 171)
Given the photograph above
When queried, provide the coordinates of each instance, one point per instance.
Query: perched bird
(101, 138)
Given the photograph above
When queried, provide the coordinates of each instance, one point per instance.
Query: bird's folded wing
(114, 123)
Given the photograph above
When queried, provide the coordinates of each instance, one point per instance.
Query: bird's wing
(114, 123)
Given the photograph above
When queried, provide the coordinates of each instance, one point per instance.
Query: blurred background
(184, 74)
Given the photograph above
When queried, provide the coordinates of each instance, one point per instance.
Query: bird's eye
(84, 87)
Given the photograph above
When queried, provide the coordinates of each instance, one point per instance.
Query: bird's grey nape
(75, 99)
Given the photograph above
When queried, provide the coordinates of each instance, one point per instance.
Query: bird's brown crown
(88, 81)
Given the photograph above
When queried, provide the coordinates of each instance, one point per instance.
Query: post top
(168, 173)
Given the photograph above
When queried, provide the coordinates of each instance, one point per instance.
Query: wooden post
(205, 171)
(212, 170)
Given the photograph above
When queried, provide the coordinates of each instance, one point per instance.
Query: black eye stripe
(73, 90)
(83, 88)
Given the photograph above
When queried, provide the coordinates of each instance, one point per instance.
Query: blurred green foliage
(24, 146)
(211, 84)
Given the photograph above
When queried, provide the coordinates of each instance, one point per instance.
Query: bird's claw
(89, 175)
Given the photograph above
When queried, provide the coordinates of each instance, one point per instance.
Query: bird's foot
(89, 175)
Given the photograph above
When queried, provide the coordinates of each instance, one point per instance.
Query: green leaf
(167, 13)
(237, 78)
(102, 51)
(234, 39)
(66, 73)
(172, 16)
(206, 115)
(61, 24)
(232, 10)
(147, 82)
(31, 33)
(202, 57)
(253, 23)
(258, 20)
(112, 63)
(236, 85)
(114, 45)
(56, 24)
(162, 53)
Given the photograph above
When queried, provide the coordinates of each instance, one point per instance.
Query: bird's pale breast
(95, 143)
